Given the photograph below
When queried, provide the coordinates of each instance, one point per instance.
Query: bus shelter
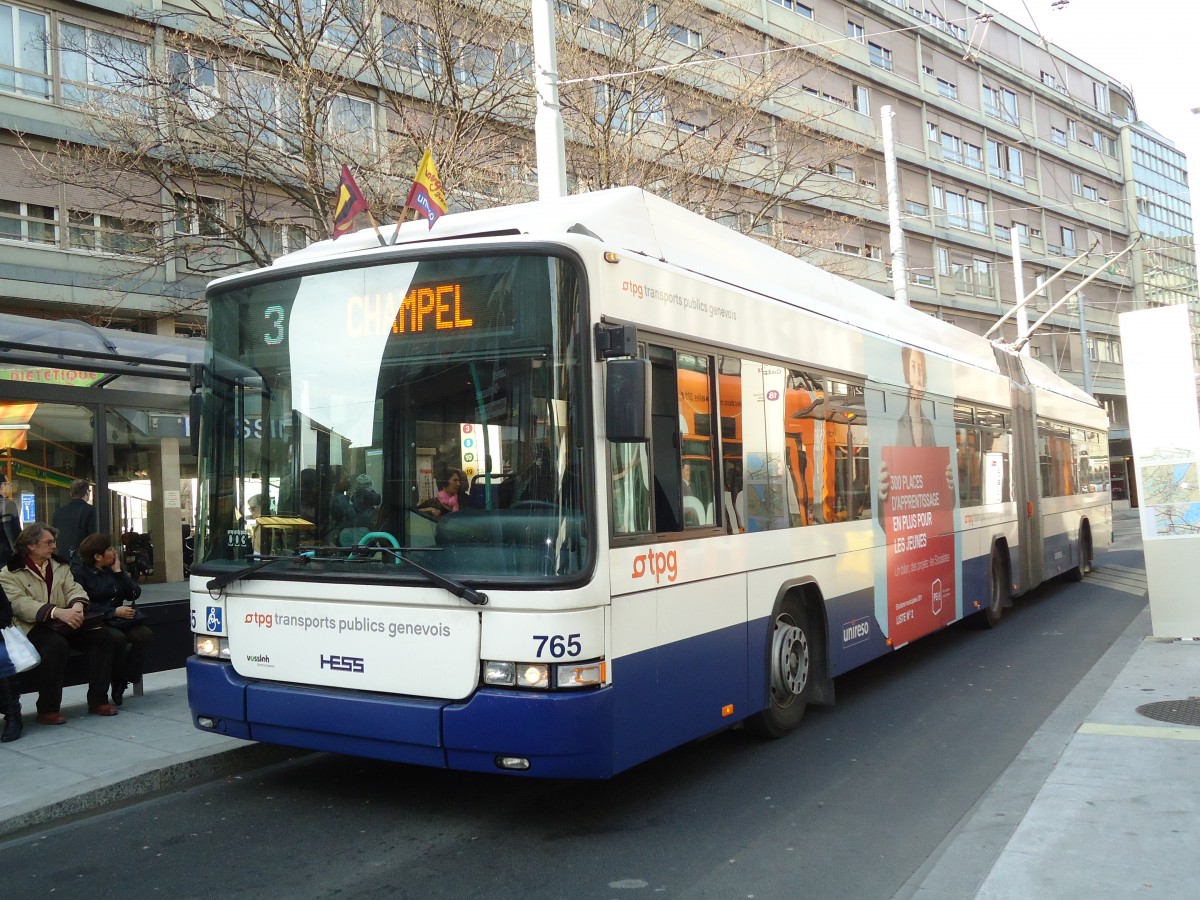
(108, 406)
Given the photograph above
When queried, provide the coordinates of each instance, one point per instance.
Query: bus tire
(1084, 567)
(790, 656)
(997, 592)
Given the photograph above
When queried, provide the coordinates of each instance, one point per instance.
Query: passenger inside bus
(447, 498)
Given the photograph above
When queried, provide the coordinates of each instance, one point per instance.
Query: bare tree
(212, 135)
(701, 109)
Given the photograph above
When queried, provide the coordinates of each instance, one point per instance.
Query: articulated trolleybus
(551, 489)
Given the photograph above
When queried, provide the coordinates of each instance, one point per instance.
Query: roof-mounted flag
(426, 195)
(350, 202)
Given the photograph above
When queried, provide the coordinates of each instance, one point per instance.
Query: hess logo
(657, 564)
(343, 663)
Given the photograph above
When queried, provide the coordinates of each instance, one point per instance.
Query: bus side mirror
(195, 405)
(627, 401)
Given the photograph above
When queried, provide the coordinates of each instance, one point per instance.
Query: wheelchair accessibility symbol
(213, 619)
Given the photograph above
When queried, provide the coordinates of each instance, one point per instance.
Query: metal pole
(896, 235)
(1018, 276)
(1087, 356)
(548, 123)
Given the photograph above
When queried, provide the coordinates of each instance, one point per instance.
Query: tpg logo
(658, 563)
(343, 663)
(262, 619)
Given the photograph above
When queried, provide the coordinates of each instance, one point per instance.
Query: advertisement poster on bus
(918, 588)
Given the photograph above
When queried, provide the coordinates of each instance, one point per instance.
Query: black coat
(105, 588)
(74, 522)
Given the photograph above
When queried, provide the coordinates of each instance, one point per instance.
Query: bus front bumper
(558, 735)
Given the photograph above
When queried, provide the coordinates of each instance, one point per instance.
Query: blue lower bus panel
(558, 735)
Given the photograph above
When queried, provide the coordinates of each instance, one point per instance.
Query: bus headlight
(211, 646)
(542, 676)
(576, 675)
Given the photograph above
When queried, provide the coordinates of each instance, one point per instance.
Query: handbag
(18, 652)
(92, 618)
(139, 618)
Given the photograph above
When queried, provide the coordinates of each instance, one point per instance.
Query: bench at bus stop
(167, 616)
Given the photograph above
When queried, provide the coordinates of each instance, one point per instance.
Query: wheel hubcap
(789, 660)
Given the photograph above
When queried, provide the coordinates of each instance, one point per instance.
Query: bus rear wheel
(790, 666)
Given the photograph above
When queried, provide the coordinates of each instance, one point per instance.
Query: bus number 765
(559, 646)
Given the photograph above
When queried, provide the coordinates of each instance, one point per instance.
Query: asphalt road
(849, 806)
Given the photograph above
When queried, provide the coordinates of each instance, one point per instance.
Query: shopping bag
(17, 652)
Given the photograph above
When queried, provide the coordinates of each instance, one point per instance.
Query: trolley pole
(896, 235)
(1019, 277)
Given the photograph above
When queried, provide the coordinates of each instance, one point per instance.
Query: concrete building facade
(996, 135)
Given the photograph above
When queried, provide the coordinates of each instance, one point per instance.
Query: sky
(1150, 46)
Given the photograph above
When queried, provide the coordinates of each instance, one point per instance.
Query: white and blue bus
(699, 480)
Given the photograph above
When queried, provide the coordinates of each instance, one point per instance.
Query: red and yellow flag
(350, 202)
(426, 195)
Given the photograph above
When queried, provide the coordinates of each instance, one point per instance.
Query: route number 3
(558, 645)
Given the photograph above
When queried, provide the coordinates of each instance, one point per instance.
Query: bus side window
(696, 439)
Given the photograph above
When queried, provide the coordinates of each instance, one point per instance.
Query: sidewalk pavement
(1101, 802)
(56, 771)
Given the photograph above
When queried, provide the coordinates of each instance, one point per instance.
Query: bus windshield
(433, 407)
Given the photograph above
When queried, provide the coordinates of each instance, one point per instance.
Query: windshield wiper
(215, 584)
(457, 588)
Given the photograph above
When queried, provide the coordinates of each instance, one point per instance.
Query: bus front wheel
(790, 667)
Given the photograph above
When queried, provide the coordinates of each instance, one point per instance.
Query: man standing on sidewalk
(76, 520)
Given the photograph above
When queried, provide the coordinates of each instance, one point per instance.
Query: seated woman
(98, 571)
(50, 607)
(447, 498)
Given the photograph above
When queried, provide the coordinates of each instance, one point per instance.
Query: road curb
(141, 781)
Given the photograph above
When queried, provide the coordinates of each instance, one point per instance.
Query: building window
(1058, 136)
(1072, 129)
(755, 148)
(1001, 103)
(973, 156)
(795, 7)
(605, 27)
(686, 36)
(977, 215)
(1049, 80)
(352, 120)
(1068, 241)
(28, 222)
(409, 45)
(947, 89)
(198, 216)
(96, 65)
(1076, 184)
(24, 58)
(880, 57)
(951, 148)
(842, 171)
(1090, 193)
(273, 239)
(862, 99)
(1100, 94)
(1005, 162)
(690, 128)
(109, 234)
(856, 32)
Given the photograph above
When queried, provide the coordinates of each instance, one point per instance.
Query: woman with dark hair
(446, 500)
(50, 607)
(98, 571)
